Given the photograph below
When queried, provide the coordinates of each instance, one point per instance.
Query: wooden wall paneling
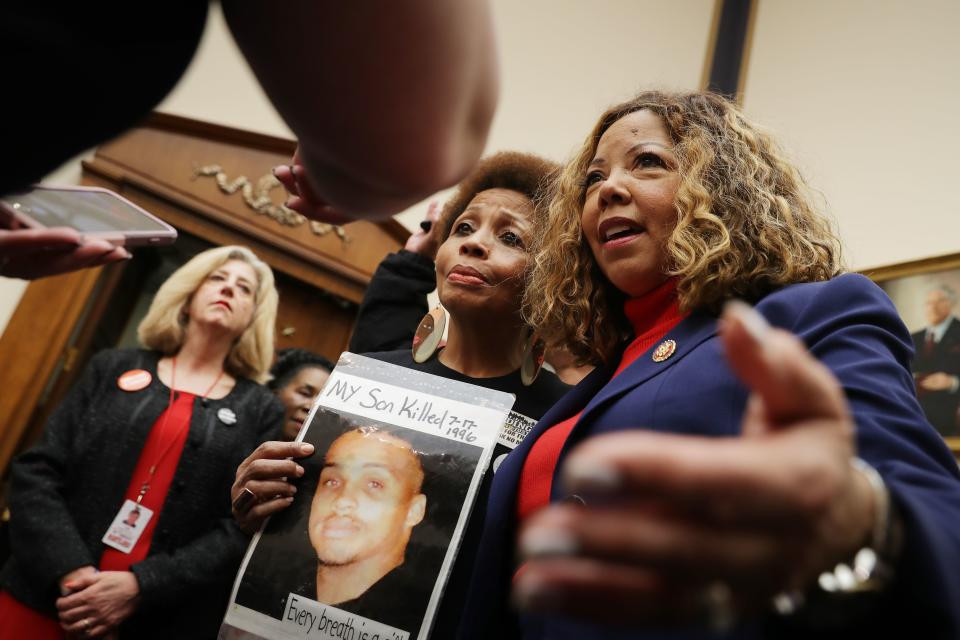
(76, 353)
(210, 229)
(34, 345)
(163, 162)
(321, 276)
(309, 320)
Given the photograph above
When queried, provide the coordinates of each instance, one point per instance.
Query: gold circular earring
(428, 335)
(534, 353)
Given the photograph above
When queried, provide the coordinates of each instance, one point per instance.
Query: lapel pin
(134, 380)
(227, 416)
(664, 350)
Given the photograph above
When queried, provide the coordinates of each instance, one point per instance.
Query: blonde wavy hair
(164, 327)
(747, 224)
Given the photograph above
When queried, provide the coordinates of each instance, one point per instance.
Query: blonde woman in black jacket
(120, 517)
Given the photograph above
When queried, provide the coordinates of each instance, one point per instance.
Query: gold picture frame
(910, 285)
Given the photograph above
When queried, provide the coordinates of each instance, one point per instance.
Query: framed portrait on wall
(927, 296)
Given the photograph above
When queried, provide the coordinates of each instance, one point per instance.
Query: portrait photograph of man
(937, 360)
(927, 303)
(366, 504)
(367, 532)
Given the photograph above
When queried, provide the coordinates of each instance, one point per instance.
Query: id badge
(127, 526)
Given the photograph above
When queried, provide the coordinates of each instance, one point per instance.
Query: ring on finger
(244, 500)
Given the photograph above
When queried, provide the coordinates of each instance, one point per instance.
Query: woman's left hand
(98, 603)
(303, 199)
(676, 528)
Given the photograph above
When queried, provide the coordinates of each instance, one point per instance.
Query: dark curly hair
(524, 173)
(290, 362)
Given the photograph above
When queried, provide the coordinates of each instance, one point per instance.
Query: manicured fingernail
(582, 475)
(547, 541)
(289, 499)
(530, 593)
(754, 323)
(299, 471)
(126, 255)
(293, 489)
(306, 448)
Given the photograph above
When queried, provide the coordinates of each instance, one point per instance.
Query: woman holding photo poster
(118, 527)
(760, 472)
(480, 274)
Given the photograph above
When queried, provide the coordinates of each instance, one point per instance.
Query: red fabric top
(652, 316)
(18, 621)
(163, 448)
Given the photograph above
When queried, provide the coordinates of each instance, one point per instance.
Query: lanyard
(163, 427)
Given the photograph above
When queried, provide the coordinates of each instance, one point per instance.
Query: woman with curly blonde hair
(766, 471)
(119, 515)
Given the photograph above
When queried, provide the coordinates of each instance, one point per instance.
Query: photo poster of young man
(366, 547)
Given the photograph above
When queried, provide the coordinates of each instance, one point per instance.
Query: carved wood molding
(222, 227)
(158, 159)
(258, 199)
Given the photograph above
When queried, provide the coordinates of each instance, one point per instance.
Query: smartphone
(90, 210)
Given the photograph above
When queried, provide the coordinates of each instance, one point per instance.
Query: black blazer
(67, 489)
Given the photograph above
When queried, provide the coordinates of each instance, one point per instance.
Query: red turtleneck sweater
(652, 315)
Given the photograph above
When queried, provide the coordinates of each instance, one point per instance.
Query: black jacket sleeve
(394, 303)
(39, 479)
(211, 559)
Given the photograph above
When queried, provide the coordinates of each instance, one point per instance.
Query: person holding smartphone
(389, 102)
(29, 254)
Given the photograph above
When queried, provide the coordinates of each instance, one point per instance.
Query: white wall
(562, 62)
(865, 92)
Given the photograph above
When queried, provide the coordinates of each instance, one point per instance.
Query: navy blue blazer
(851, 326)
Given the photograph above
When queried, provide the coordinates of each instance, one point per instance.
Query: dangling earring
(429, 333)
(533, 355)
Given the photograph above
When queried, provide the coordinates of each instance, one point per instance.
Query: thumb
(81, 582)
(433, 211)
(788, 383)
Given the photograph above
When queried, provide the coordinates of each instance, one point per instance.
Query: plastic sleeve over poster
(367, 546)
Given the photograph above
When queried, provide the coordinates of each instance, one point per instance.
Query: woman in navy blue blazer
(715, 474)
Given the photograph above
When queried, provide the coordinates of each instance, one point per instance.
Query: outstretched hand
(671, 519)
(36, 253)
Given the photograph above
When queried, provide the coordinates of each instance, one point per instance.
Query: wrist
(851, 588)
(870, 568)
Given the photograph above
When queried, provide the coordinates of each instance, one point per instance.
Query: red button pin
(134, 380)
